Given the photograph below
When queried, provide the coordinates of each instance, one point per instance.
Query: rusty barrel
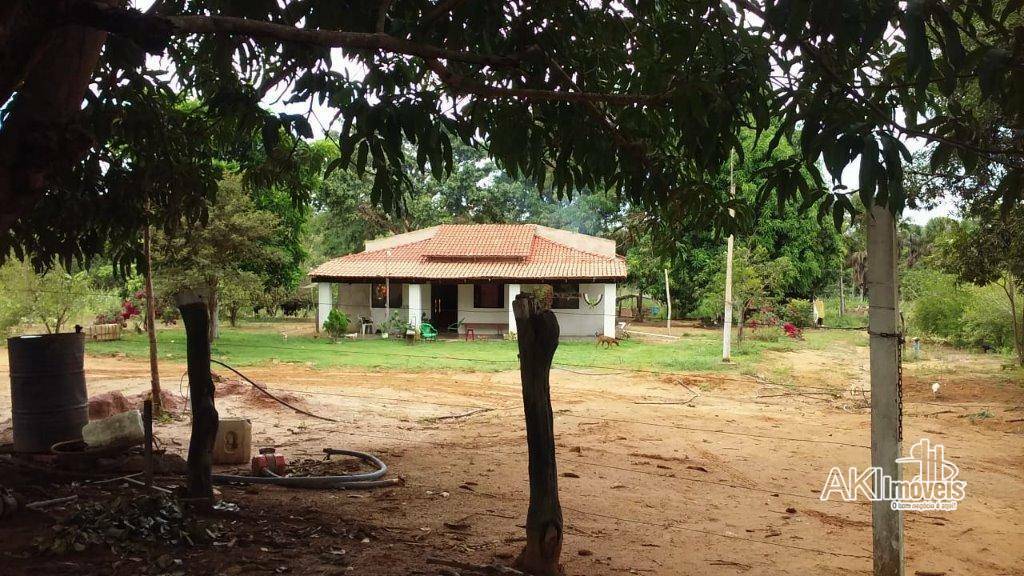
(49, 402)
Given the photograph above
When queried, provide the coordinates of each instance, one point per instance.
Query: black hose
(267, 392)
(349, 481)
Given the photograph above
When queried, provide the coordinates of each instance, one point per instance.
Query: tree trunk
(538, 338)
(640, 306)
(233, 316)
(50, 68)
(154, 368)
(214, 313)
(200, 385)
(1018, 329)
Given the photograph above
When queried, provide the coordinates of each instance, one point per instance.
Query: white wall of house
(585, 320)
(582, 321)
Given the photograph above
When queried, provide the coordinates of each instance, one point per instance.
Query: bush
(798, 313)
(337, 324)
(938, 304)
(986, 318)
(395, 325)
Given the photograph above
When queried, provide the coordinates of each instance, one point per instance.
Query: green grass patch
(248, 347)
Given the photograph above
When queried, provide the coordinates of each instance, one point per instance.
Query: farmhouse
(463, 278)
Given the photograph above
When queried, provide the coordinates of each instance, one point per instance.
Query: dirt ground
(659, 474)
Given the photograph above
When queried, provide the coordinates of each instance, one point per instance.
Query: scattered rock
(570, 475)
(584, 552)
(790, 510)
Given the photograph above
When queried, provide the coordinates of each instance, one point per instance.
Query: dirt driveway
(683, 474)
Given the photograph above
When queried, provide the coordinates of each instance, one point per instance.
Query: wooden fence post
(196, 317)
(538, 338)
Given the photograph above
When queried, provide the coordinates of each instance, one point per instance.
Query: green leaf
(837, 215)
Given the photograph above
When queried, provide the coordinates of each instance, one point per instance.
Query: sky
(322, 115)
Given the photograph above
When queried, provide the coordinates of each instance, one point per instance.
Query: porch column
(415, 304)
(609, 310)
(323, 303)
(513, 291)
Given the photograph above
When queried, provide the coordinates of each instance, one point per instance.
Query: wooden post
(886, 427)
(538, 338)
(196, 318)
(154, 368)
(147, 423)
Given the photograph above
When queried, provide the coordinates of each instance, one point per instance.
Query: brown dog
(607, 340)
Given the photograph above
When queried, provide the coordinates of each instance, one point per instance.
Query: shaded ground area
(686, 473)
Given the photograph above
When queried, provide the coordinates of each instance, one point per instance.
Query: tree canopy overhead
(644, 98)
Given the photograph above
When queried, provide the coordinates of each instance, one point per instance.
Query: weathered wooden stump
(538, 338)
(195, 316)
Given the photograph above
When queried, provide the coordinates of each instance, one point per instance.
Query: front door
(444, 305)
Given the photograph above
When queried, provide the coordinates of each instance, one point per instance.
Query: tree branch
(880, 115)
(462, 85)
(442, 8)
(382, 14)
(143, 28)
(150, 30)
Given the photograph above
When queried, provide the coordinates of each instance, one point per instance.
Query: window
(565, 296)
(379, 291)
(488, 295)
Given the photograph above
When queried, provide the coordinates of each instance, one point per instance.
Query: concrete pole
(415, 305)
(842, 293)
(668, 303)
(884, 328)
(323, 304)
(727, 320)
(513, 291)
(610, 293)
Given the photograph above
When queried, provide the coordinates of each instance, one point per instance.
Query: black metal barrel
(49, 402)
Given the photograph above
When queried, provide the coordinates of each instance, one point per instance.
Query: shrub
(938, 304)
(395, 325)
(986, 318)
(798, 313)
(337, 324)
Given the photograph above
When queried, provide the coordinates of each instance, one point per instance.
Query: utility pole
(668, 303)
(842, 293)
(154, 368)
(886, 387)
(727, 321)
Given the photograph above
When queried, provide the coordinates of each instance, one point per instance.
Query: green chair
(428, 332)
(455, 327)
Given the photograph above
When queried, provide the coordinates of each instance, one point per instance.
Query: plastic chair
(428, 332)
(455, 327)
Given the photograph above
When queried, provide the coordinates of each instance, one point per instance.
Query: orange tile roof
(477, 252)
(474, 241)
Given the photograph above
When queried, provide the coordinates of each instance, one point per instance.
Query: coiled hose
(361, 480)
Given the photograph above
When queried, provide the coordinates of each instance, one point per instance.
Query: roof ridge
(576, 249)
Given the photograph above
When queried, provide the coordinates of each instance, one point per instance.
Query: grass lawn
(250, 345)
